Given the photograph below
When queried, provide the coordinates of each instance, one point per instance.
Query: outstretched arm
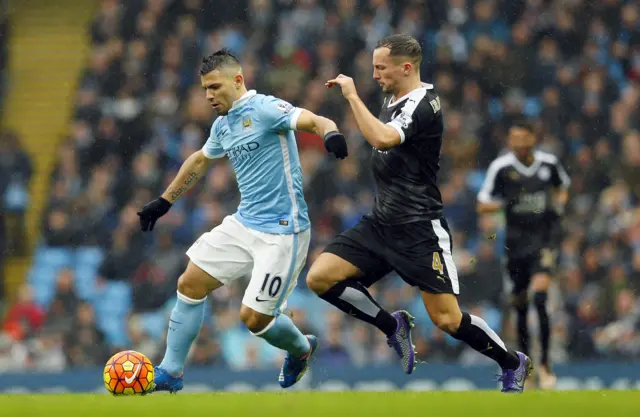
(312, 123)
(334, 141)
(193, 168)
(191, 171)
(378, 134)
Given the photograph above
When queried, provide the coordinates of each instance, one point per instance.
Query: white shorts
(273, 262)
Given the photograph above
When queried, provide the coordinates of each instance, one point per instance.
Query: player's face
(521, 142)
(387, 71)
(222, 89)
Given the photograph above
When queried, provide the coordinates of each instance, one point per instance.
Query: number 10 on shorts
(273, 285)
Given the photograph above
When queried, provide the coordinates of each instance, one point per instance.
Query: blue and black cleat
(163, 381)
(293, 369)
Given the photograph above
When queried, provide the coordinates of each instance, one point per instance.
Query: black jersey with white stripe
(406, 175)
(526, 195)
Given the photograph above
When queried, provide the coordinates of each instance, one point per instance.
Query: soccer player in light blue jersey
(266, 239)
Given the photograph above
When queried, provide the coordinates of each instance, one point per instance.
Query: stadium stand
(97, 285)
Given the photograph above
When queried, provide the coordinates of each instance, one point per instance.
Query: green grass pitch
(321, 404)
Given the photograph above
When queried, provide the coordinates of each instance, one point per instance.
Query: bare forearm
(324, 126)
(372, 129)
(315, 124)
(193, 168)
(488, 207)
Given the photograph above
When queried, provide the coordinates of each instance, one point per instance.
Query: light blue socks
(283, 334)
(184, 325)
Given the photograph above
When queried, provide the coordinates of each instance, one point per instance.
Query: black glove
(151, 212)
(335, 143)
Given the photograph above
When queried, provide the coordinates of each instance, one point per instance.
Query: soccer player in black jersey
(531, 187)
(406, 231)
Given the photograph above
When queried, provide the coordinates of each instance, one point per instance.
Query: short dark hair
(402, 45)
(222, 58)
(523, 123)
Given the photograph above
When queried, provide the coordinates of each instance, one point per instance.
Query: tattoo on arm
(175, 194)
(192, 177)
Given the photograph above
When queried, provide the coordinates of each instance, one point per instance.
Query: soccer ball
(128, 373)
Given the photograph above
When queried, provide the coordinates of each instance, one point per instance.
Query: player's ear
(407, 66)
(238, 80)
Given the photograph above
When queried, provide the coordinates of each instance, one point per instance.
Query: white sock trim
(266, 329)
(188, 300)
(479, 322)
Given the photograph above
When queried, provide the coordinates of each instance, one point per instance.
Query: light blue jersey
(257, 136)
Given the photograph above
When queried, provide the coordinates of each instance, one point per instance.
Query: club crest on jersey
(247, 123)
(544, 173)
(514, 176)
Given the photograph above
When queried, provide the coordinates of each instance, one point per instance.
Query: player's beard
(387, 89)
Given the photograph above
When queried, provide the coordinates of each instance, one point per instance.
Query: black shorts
(522, 269)
(419, 252)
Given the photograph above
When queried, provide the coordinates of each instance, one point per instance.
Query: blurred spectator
(25, 317)
(15, 174)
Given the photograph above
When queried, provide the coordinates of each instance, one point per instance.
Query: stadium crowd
(98, 284)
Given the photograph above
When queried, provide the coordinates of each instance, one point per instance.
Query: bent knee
(196, 283)
(191, 286)
(317, 282)
(448, 323)
(327, 271)
(320, 280)
(254, 321)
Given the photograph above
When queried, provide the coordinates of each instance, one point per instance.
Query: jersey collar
(527, 171)
(239, 102)
(424, 86)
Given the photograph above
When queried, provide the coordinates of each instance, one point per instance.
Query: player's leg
(520, 273)
(445, 313)
(540, 283)
(278, 261)
(341, 276)
(429, 266)
(184, 325)
(216, 258)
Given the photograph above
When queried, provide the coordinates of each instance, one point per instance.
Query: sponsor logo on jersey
(242, 152)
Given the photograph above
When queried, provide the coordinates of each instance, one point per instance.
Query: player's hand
(335, 143)
(151, 212)
(346, 84)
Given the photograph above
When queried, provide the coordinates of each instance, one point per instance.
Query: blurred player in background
(406, 231)
(532, 189)
(266, 239)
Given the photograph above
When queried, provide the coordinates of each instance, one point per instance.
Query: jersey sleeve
(559, 176)
(493, 187)
(415, 113)
(278, 115)
(212, 148)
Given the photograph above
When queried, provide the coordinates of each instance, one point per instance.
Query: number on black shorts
(437, 263)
